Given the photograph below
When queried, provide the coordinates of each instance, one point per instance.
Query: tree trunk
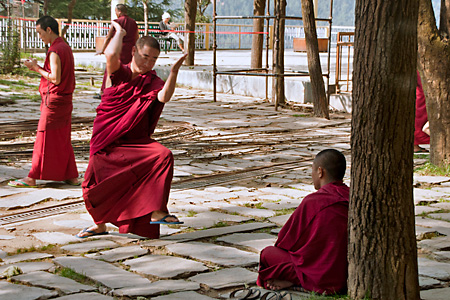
(434, 66)
(278, 53)
(320, 101)
(190, 9)
(69, 17)
(444, 24)
(382, 249)
(259, 7)
(145, 17)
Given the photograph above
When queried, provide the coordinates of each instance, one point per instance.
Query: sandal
(274, 295)
(245, 293)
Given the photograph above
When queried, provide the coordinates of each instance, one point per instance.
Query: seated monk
(127, 181)
(311, 249)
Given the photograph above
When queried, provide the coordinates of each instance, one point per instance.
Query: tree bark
(444, 24)
(434, 68)
(278, 53)
(259, 7)
(190, 9)
(69, 17)
(382, 249)
(145, 4)
(320, 101)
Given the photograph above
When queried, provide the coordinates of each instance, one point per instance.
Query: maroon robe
(421, 118)
(53, 157)
(311, 249)
(129, 174)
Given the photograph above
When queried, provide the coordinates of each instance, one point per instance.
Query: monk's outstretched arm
(112, 52)
(166, 93)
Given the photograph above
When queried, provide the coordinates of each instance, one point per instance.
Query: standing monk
(420, 136)
(129, 40)
(311, 249)
(128, 178)
(53, 157)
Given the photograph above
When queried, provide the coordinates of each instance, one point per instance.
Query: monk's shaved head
(333, 162)
(148, 41)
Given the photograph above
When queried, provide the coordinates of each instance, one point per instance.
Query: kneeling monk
(311, 249)
(128, 178)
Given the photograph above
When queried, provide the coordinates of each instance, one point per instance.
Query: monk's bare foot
(158, 215)
(276, 284)
(92, 231)
(418, 149)
(24, 182)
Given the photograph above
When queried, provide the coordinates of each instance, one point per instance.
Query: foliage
(155, 10)
(202, 5)
(10, 50)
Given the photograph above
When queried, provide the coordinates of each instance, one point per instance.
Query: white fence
(81, 34)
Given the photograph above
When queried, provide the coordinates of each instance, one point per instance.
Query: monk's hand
(118, 28)
(176, 66)
(31, 64)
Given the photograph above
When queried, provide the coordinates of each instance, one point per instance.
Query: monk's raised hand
(176, 66)
(118, 28)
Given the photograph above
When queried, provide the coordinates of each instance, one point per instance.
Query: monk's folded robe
(129, 174)
(421, 118)
(311, 249)
(53, 157)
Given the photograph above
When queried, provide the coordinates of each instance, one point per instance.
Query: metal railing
(82, 34)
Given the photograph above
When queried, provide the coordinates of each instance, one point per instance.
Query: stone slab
(434, 269)
(3, 254)
(250, 212)
(164, 266)
(7, 237)
(218, 231)
(183, 296)
(283, 204)
(55, 237)
(226, 278)
(210, 218)
(424, 209)
(105, 273)
(280, 220)
(255, 241)
(435, 244)
(443, 256)
(25, 256)
(90, 246)
(52, 281)
(435, 294)
(431, 179)
(441, 205)
(424, 194)
(440, 216)
(157, 287)
(427, 282)
(85, 296)
(226, 256)
(36, 196)
(28, 267)
(9, 291)
(79, 224)
(423, 233)
(442, 227)
(117, 254)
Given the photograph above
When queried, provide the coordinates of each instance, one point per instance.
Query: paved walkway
(241, 168)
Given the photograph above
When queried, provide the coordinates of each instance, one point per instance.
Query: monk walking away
(311, 249)
(53, 157)
(127, 181)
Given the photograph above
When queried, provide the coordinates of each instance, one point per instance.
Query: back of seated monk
(311, 249)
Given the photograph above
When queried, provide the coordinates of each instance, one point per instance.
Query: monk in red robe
(420, 137)
(53, 157)
(311, 249)
(128, 178)
(129, 40)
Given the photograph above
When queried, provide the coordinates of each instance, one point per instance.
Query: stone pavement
(241, 168)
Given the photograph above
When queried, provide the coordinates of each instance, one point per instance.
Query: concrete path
(241, 168)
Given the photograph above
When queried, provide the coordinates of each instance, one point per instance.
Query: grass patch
(300, 115)
(428, 169)
(69, 273)
(258, 205)
(421, 156)
(191, 213)
(285, 211)
(26, 250)
(217, 225)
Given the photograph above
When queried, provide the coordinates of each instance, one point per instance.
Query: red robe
(311, 250)
(53, 157)
(421, 118)
(129, 174)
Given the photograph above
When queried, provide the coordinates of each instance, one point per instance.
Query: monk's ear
(320, 172)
